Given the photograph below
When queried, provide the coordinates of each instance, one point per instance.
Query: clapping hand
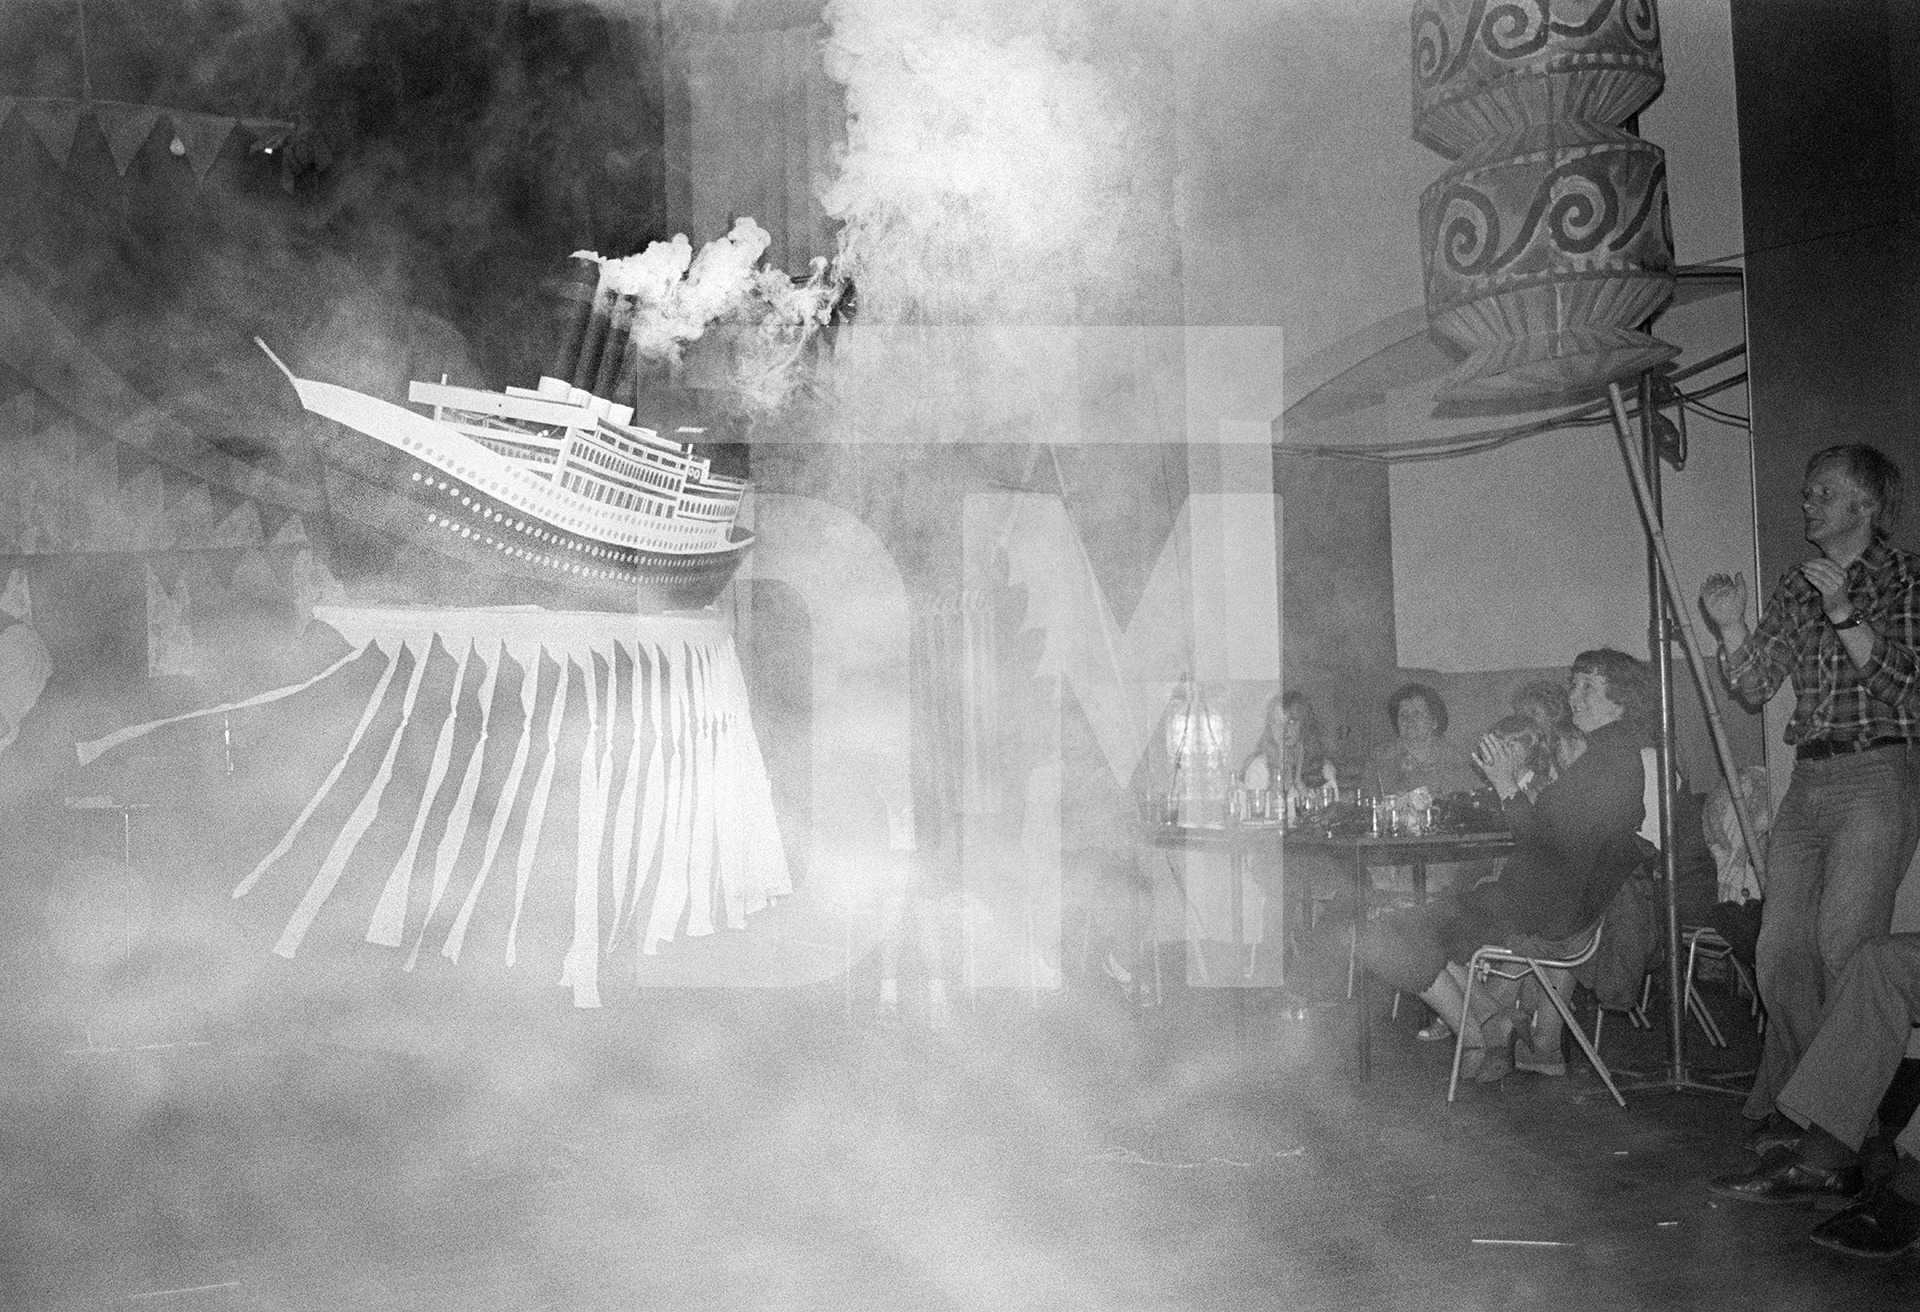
(1724, 598)
(1831, 582)
(1502, 762)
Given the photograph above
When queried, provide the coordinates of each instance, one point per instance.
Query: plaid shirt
(1834, 700)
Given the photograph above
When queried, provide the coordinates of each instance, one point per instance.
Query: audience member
(1835, 1093)
(1530, 742)
(1844, 627)
(1290, 756)
(1577, 842)
(1420, 755)
(1546, 705)
(1533, 745)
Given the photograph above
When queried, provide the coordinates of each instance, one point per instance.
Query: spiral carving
(1469, 231)
(1514, 31)
(1484, 66)
(1432, 47)
(1643, 23)
(1549, 244)
(1581, 208)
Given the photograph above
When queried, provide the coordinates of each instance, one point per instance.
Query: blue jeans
(1838, 851)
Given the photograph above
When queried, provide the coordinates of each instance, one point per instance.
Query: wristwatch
(1853, 618)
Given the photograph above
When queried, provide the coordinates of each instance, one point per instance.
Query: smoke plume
(990, 147)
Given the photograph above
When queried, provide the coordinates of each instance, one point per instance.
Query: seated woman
(1546, 705)
(1538, 767)
(1420, 755)
(1576, 843)
(1289, 758)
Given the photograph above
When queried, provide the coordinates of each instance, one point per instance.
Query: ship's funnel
(575, 291)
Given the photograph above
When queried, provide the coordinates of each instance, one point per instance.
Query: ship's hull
(407, 530)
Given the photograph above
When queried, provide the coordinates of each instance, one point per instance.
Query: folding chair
(1492, 961)
(1705, 941)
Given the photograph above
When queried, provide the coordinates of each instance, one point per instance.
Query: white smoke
(990, 150)
(766, 317)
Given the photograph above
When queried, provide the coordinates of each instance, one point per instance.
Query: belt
(1825, 747)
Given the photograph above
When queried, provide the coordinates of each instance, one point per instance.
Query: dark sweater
(1577, 842)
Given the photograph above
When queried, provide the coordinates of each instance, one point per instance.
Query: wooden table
(1369, 852)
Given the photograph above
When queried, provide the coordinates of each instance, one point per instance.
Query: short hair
(1874, 473)
(1406, 692)
(1527, 733)
(1550, 699)
(1629, 683)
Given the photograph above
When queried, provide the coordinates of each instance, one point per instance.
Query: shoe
(1434, 1032)
(1773, 1131)
(1548, 1062)
(1485, 1065)
(1782, 1177)
(1490, 1060)
(1882, 1224)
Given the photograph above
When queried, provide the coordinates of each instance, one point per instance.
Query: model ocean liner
(548, 495)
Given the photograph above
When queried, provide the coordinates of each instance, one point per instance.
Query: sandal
(1437, 1030)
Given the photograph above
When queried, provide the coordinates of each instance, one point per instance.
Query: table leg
(1236, 902)
(1280, 920)
(1362, 895)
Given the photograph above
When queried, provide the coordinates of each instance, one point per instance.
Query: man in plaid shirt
(1845, 627)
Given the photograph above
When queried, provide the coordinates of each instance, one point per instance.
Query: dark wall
(1829, 109)
(1337, 596)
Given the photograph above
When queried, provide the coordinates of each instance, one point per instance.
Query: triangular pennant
(169, 627)
(200, 137)
(241, 528)
(54, 122)
(126, 128)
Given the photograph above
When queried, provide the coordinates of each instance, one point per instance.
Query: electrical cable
(1724, 416)
(1593, 414)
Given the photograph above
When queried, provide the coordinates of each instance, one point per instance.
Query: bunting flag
(169, 627)
(201, 135)
(528, 789)
(126, 127)
(55, 120)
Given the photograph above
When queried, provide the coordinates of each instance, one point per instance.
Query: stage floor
(419, 1143)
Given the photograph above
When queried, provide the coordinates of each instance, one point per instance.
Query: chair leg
(1753, 992)
(1353, 959)
(1396, 1006)
(1460, 1032)
(1696, 1005)
(1566, 1014)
